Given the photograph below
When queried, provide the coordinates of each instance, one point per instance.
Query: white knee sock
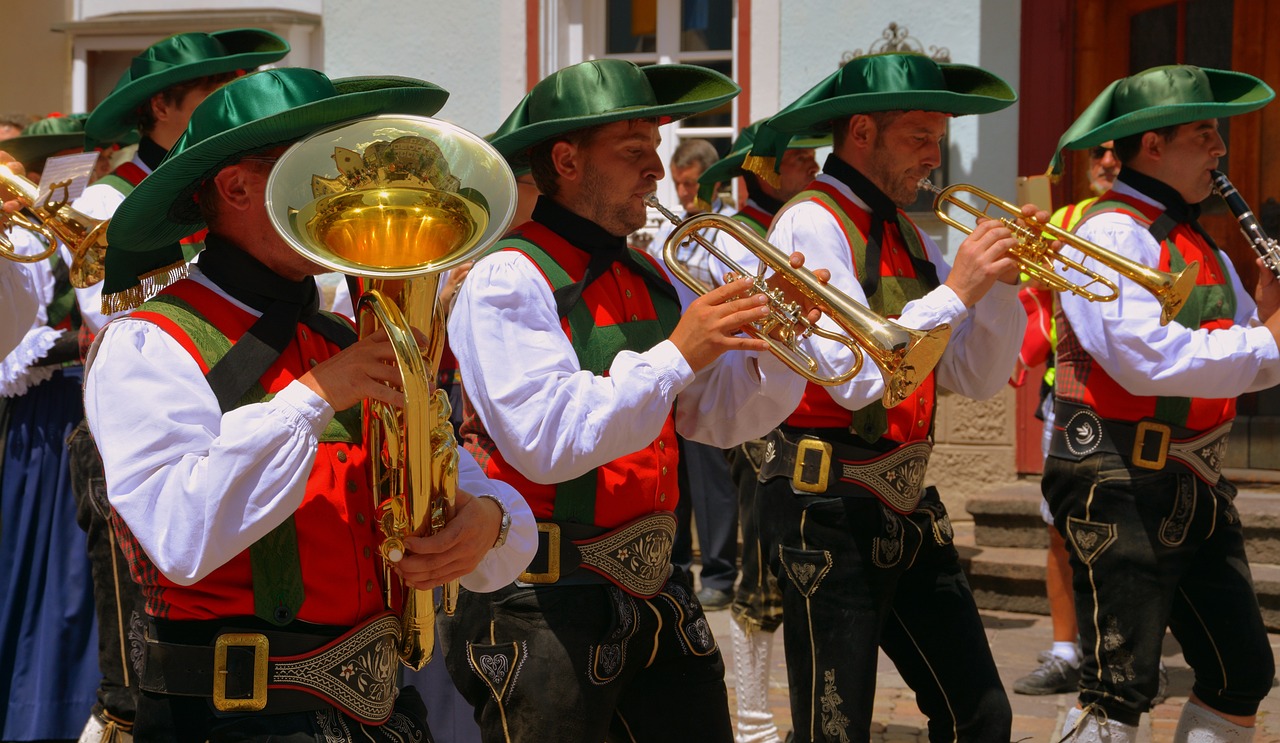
(1200, 725)
(751, 654)
(1096, 729)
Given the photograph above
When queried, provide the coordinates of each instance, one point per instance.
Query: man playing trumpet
(861, 549)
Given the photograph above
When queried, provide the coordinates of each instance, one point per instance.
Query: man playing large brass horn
(1142, 414)
(243, 497)
(581, 367)
(861, 549)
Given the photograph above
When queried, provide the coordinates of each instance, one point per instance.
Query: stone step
(1012, 578)
(1009, 516)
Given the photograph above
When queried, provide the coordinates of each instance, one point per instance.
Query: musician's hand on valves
(792, 294)
(455, 550)
(16, 168)
(981, 260)
(365, 369)
(710, 324)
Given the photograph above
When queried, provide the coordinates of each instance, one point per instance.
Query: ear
(862, 131)
(565, 157)
(160, 107)
(235, 187)
(1152, 145)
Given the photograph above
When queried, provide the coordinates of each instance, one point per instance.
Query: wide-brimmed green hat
(48, 136)
(730, 166)
(880, 82)
(177, 59)
(1160, 97)
(603, 91)
(252, 113)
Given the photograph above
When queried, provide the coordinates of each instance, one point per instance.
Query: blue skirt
(48, 636)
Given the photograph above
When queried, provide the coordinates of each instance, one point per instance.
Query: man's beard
(893, 183)
(618, 219)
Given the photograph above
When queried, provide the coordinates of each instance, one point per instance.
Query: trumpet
(56, 221)
(1036, 256)
(1265, 246)
(904, 356)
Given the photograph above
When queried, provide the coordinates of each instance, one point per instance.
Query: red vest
(1080, 380)
(908, 421)
(337, 538)
(626, 488)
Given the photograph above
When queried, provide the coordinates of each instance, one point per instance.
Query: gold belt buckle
(552, 573)
(804, 449)
(240, 640)
(1140, 438)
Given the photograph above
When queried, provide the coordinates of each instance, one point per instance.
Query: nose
(1219, 148)
(932, 155)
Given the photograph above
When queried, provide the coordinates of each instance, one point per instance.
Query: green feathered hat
(603, 91)
(177, 59)
(1160, 97)
(730, 166)
(252, 113)
(879, 82)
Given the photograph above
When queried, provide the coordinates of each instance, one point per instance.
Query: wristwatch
(505, 526)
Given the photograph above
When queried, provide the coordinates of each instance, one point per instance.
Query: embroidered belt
(821, 467)
(635, 557)
(1078, 432)
(355, 672)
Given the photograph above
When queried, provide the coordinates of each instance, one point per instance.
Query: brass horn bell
(399, 200)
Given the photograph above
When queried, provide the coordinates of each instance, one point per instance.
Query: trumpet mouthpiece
(924, 184)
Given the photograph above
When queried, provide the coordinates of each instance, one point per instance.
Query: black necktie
(283, 304)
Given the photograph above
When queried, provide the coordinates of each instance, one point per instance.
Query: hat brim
(730, 166)
(680, 90)
(114, 116)
(34, 149)
(970, 90)
(1235, 93)
(161, 210)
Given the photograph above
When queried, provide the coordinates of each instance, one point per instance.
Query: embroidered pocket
(805, 568)
(1089, 538)
(498, 666)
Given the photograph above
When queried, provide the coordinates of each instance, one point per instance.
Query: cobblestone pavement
(1015, 639)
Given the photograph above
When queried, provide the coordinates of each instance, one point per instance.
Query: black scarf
(605, 250)
(151, 153)
(763, 200)
(283, 304)
(1176, 209)
(883, 211)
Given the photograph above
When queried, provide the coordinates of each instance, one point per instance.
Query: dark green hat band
(879, 82)
(1160, 97)
(603, 91)
(177, 59)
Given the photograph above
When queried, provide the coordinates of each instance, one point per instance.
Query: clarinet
(1267, 247)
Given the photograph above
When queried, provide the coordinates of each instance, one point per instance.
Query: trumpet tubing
(904, 356)
(56, 221)
(1036, 256)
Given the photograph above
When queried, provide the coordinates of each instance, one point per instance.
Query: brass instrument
(1037, 257)
(404, 199)
(56, 221)
(905, 356)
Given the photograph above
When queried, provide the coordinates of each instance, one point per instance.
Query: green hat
(1160, 97)
(730, 166)
(252, 113)
(603, 91)
(880, 82)
(41, 139)
(177, 59)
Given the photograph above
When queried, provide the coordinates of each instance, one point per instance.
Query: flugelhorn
(399, 200)
(56, 221)
(905, 356)
(1037, 257)
(1265, 246)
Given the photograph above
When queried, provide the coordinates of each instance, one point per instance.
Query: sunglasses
(1099, 152)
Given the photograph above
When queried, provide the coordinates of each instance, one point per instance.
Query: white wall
(84, 9)
(475, 49)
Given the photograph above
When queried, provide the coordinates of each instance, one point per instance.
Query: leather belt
(355, 672)
(1078, 432)
(819, 467)
(635, 557)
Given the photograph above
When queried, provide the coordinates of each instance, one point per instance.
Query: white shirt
(197, 486)
(1126, 339)
(984, 339)
(18, 372)
(554, 421)
(18, 302)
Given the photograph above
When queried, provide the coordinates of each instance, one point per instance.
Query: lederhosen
(275, 641)
(861, 550)
(598, 628)
(1134, 485)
